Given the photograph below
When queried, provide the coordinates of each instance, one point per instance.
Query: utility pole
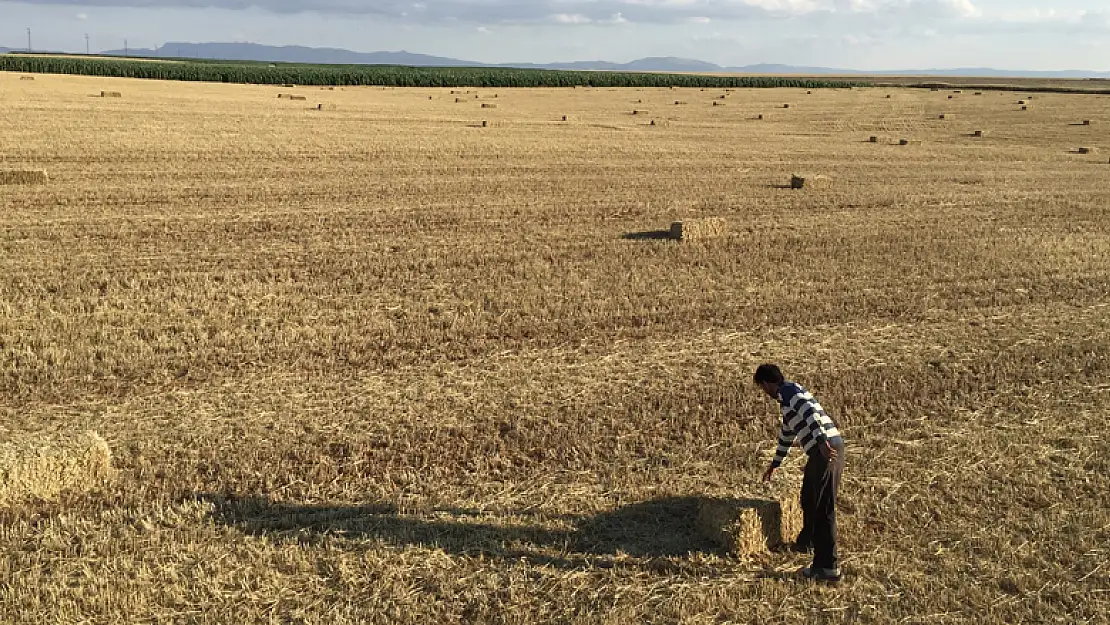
(28, 40)
(86, 44)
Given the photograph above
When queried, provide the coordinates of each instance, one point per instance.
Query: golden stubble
(376, 363)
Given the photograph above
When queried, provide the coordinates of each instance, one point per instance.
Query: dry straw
(749, 526)
(38, 468)
(699, 229)
(111, 94)
(24, 176)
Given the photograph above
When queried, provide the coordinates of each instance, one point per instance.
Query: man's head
(769, 378)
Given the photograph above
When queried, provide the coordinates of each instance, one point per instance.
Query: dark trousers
(820, 482)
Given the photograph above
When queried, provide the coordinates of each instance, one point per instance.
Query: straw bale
(1088, 150)
(749, 526)
(43, 467)
(289, 85)
(325, 107)
(978, 133)
(909, 142)
(760, 116)
(485, 124)
(716, 103)
(1086, 122)
(873, 139)
(1025, 108)
(947, 116)
(699, 229)
(111, 94)
(785, 106)
(26, 77)
(488, 105)
(24, 176)
(298, 97)
(799, 182)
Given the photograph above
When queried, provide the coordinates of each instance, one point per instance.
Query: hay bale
(951, 97)
(26, 176)
(749, 526)
(947, 116)
(283, 95)
(888, 96)
(325, 107)
(978, 133)
(289, 85)
(457, 100)
(485, 124)
(678, 102)
(909, 142)
(800, 182)
(785, 106)
(487, 105)
(873, 139)
(760, 117)
(978, 93)
(111, 94)
(1086, 122)
(26, 77)
(716, 103)
(298, 97)
(1021, 101)
(698, 229)
(1025, 108)
(36, 467)
(1088, 150)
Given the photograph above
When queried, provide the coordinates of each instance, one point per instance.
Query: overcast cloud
(861, 34)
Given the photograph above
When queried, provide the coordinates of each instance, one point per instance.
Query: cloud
(82, 16)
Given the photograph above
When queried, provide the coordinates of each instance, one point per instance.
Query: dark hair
(768, 373)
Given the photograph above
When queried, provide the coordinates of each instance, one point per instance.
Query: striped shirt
(803, 419)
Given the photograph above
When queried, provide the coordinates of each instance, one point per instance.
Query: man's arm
(786, 439)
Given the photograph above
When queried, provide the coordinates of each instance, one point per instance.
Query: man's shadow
(659, 528)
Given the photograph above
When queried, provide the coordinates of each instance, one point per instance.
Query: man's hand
(769, 473)
(827, 450)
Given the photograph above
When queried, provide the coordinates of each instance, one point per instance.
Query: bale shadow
(648, 235)
(659, 528)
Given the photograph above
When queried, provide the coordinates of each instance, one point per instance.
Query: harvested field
(376, 366)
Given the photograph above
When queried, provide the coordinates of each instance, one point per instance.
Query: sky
(850, 34)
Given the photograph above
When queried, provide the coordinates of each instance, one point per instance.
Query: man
(804, 420)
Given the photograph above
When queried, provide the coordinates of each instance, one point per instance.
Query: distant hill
(338, 56)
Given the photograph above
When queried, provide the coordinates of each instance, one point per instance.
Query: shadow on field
(651, 529)
(647, 235)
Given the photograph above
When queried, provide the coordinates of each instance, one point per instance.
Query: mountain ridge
(340, 56)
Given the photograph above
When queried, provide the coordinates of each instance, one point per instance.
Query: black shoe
(821, 575)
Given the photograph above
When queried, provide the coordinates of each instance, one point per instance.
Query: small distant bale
(760, 117)
(721, 97)
(111, 94)
(958, 91)
(811, 182)
(652, 123)
(978, 93)
(785, 106)
(809, 93)
(909, 142)
(485, 124)
(1025, 108)
(678, 102)
(26, 77)
(457, 100)
(298, 97)
(888, 96)
(289, 85)
(44, 467)
(429, 97)
(1021, 101)
(1086, 122)
(951, 97)
(978, 133)
(716, 103)
(699, 229)
(947, 116)
(283, 95)
(24, 176)
(749, 526)
(1088, 150)
(325, 107)
(873, 139)
(488, 105)
(564, 118)
(636, 111)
